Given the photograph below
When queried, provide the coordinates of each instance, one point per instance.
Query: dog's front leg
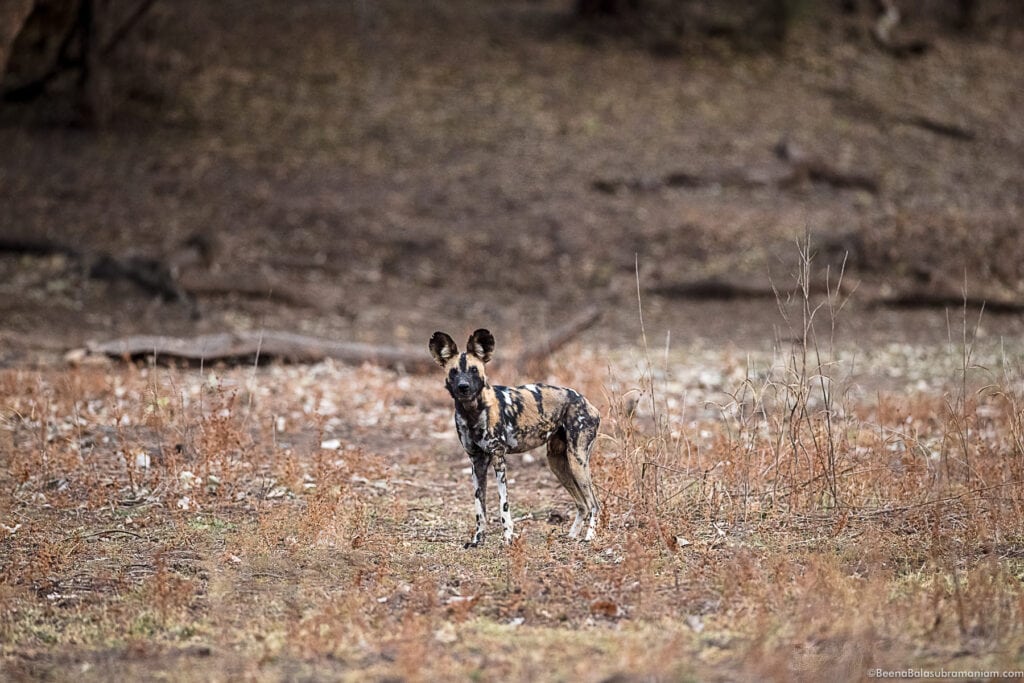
(480, 463)
(506, 511)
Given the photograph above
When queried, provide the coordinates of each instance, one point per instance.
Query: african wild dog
(493, 421)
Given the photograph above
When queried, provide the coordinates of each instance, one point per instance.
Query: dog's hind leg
(558, 461)
(480, 463)
(581, 434)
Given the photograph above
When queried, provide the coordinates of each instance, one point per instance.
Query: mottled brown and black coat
(493, 421)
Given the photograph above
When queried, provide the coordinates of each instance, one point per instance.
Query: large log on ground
(234, 346)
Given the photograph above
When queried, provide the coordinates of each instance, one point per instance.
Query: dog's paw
(470, 544)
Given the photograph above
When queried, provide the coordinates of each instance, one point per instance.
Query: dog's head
(464, 372)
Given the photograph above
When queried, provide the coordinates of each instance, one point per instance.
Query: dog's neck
(486, 402)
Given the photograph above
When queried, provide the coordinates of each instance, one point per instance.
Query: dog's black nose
(463, 387)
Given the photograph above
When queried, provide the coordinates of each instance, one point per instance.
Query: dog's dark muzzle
(464, 386)
(465, 390)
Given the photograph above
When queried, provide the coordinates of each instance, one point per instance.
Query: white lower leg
(577, 524)
(481, 521)
(481, 510)
(592, 525)
(506, 511)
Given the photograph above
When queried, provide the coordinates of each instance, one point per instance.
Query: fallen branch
(929, 298)
(795, 170)
(306, 349)
(558, 338)
(726, 288)
(263, 344)
(713, 289)
(820, 172)
(36, 246)
(949, 130)
(102, 532)
(854, 105)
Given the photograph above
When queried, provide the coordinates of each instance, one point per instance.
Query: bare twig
(795, 169)
(126, 26)
(854, 105)
(558, 337)
(103, 532)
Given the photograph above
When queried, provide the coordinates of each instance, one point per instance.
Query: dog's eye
(474, 371)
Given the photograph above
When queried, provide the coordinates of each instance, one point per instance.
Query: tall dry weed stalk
(791, 444)
(807, 387)
(643, 453)
(783, 442)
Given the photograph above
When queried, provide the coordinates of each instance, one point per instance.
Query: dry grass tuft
(764, 518)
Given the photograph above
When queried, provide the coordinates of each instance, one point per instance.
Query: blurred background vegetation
(364, 169)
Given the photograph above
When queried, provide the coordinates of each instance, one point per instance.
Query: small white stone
(446, 634)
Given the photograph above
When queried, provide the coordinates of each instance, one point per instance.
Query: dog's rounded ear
(481, 344)
(442, 348)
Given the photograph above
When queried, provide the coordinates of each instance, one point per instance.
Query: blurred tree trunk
(45, 45)
(63, 43)
(93, 78)
(13, 14)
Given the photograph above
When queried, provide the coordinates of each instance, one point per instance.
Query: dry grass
(283, 522)
(780, 517)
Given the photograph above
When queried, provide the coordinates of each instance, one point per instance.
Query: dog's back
(532, 414)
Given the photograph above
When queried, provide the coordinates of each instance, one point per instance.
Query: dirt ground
(375, 171)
